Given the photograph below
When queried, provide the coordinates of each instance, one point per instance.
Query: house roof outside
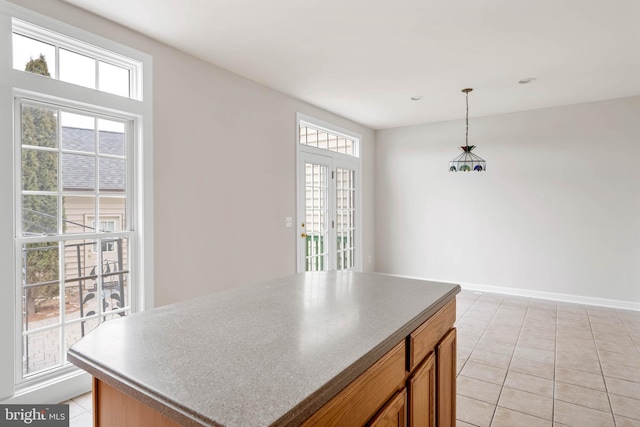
(78, 171)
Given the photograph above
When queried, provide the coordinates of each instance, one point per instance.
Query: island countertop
(265, 354)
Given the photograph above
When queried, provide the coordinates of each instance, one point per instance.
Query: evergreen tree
(40, 173)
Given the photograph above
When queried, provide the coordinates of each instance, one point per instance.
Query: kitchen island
(315, 348)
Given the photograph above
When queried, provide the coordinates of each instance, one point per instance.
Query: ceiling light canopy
(527, 80)
(467, 161)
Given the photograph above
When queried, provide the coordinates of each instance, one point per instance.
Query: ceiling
(365, 59)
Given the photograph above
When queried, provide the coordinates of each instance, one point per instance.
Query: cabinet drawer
(360, 400)
(423, 340)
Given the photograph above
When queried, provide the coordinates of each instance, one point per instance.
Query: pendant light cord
(466, 138)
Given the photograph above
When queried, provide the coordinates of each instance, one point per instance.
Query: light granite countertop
(265, 354)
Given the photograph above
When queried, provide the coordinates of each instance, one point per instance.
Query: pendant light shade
(467, 161)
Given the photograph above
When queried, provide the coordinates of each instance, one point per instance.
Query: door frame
(336, 160)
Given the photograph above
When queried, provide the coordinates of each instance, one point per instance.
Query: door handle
(303, 235)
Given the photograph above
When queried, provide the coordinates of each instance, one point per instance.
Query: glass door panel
(345, 215)
(316, 216)
(327, 212)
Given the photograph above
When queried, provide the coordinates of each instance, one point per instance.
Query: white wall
(224, 168)
(558, 209)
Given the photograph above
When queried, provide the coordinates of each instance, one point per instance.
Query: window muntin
(314, 136)
(75, 62)
(65, 183)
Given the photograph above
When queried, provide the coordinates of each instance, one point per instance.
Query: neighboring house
(78, 174)
(82, 265)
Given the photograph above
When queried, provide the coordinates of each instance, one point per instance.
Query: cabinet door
(446, 380)
(422, 390)
(364, 397)
(394, 413)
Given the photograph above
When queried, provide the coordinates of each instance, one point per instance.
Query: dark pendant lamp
(467, 161)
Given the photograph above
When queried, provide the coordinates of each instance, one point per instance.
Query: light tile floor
(81, 411)
(530, 362)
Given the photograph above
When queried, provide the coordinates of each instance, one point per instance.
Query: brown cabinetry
(422, 393)
(394, 413)
(112, 407)
(360, 400)
(446, 380)
(423, 396)
(413, 384)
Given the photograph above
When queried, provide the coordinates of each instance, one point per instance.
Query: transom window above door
(326, 140)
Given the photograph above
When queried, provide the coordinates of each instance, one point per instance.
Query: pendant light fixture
(467, 161)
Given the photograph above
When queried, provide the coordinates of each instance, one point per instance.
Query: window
(73, 165)
(328, 197)
(72, 61)
(82, 224)
(105, 227)
(314, 136)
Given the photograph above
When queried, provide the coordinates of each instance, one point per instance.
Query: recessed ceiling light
(416, 98)
(526, 81)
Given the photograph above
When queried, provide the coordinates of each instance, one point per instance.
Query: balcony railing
(315, 253)
(81, 291)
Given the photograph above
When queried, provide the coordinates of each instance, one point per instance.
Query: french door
(327, 211)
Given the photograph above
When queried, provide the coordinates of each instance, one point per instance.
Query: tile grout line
(615, 423)
(637, 345)
(474, 347)
(495, 409)
(483, 331)
(469, 308)
(588, 372)
(525, 391)
(498, 318)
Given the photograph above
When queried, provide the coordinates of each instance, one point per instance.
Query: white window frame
(15, 83)
(71, 44)
(338, 160)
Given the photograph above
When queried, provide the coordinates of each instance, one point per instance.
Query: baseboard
(576, 299)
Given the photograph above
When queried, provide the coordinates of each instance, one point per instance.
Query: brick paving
(42, 349)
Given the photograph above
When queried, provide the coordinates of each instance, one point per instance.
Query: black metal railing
(110, 292)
